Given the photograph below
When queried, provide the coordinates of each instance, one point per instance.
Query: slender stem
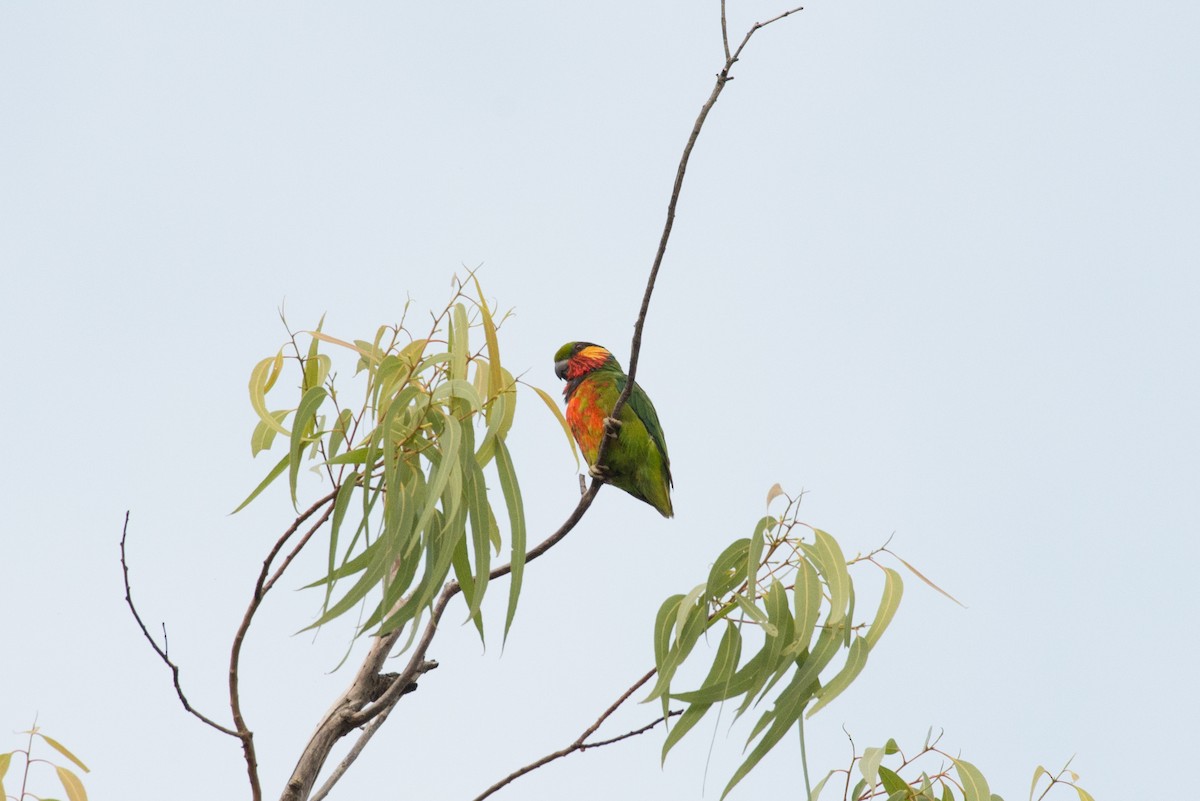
(724, 32)
(723, 77)
(804, 761)
(580, 743)
(29, 755)
(261, 588)
(162, 651)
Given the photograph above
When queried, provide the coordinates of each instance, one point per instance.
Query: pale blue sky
(936, 263)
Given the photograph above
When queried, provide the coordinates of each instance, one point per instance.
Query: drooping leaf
(831, 563)
(262, 378)
(341, 431)
(810, 665)
(750, 675)
(892, 783)
(493, 344)
(725, 573)
(341, 503)
(466, 580)
(1038, 773)
(360, 347)
(922, 577)
(755, 614)
(889, 602)
(723, 667)
(816, 790)
(516, 518)
(275, 473)
(780, 626)
(264, 434)
(856, 659)
(306, 414)
(71, 784)
(807, 599)
(562, 421)
(371, 576)
(499, 419)
(449, 441)
(458, 330)
(975, 787)
(460, 389)
(754, 554)
(62, 749)
(695, 624)
(481, 532)
(868, 765)
(664, 623)
(787, 711)
(688, 606)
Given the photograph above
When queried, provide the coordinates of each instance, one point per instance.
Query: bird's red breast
(585, 416)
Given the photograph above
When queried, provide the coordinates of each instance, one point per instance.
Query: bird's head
(576, 359)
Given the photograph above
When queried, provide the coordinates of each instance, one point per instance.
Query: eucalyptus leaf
(974, 785)
(516, 518)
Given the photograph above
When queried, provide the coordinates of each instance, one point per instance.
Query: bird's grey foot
(612, 426)
(600, 472)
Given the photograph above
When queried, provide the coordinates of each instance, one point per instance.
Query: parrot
(637, 460)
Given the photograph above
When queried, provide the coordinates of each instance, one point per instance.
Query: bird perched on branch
(637, 460)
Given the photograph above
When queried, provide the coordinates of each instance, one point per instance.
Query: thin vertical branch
(261, 588)
(725, 32)
(723, 77)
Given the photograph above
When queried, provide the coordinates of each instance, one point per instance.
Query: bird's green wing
(640, 403)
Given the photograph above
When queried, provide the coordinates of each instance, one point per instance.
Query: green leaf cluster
(786, 594)
(409, 462)
(929, 773)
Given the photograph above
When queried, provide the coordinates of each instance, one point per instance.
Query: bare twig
(725, 31)
(580, 743)
(634, 733)
(723, 77)
(261, 588)
(162, 651)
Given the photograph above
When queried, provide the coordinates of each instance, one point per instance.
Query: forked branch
(162, 651)
(581, 743)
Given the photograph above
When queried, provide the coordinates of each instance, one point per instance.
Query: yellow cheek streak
(593, 354)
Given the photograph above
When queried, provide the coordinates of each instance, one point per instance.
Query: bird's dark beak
(560, 369)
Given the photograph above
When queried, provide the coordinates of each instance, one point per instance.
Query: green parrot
(637, 460)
